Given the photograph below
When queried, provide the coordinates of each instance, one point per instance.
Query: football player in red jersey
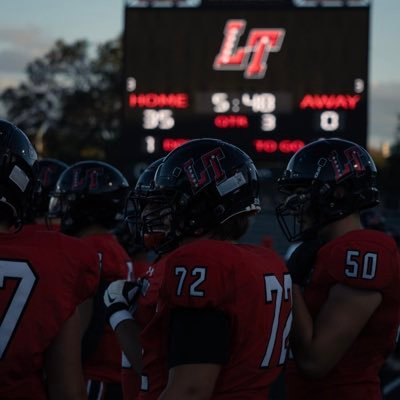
(346, 279)
(89, 198)
(224, 309)
(138, 200)
(44, 276)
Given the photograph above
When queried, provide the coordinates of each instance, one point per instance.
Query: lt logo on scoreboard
(252, 58)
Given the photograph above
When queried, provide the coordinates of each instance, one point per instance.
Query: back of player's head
(325, 181)
(18, 172)
(203, 184)
(88, 193)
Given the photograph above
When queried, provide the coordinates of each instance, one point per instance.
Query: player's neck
(5, 228)
(338, 228)
(92, 230)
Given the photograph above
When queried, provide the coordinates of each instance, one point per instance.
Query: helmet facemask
(297, 215)
(307, 210)
(148, 218)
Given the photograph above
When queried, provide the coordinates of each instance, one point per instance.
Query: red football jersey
(105, 362)
(251, 285)
(362, 259)
(44, 276)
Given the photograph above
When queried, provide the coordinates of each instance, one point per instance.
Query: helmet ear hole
(5, 159)
(219, 210)
(184, 200)
(339, 192)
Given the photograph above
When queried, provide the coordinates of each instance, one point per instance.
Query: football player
(346, 279)
(44, 276)
(224, 309)
(89, 198)
(139, 200)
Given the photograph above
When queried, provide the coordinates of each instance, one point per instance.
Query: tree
(71, 102)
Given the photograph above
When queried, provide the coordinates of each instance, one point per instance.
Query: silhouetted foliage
(70, 104)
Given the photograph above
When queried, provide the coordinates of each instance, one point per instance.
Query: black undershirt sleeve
(198, 336)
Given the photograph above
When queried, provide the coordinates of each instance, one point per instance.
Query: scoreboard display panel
(268, 76)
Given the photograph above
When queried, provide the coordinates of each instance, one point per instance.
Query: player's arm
(63, 363)
(85, 313)
(121, 301)
(128, 332)
(199, 344)
(319, 345)
(191, 382)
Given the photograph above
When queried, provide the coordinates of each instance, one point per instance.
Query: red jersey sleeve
(113, 258)
(363, 260)
(196, 277)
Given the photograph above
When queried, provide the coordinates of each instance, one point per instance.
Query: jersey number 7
(16, 304)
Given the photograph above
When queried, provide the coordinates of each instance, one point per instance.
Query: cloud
(19, 46)
(384, 109)
(13, 60)
(30, 38)
(388, 90)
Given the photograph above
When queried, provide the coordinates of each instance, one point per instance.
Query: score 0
(329, 121)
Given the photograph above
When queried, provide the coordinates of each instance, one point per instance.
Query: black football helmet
(198, 186)
(18, 171)
(50, 170)
(87, 193)
(311, 183)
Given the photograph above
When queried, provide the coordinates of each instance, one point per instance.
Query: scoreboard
(268, 76)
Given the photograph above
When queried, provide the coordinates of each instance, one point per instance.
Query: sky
(28, 29)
